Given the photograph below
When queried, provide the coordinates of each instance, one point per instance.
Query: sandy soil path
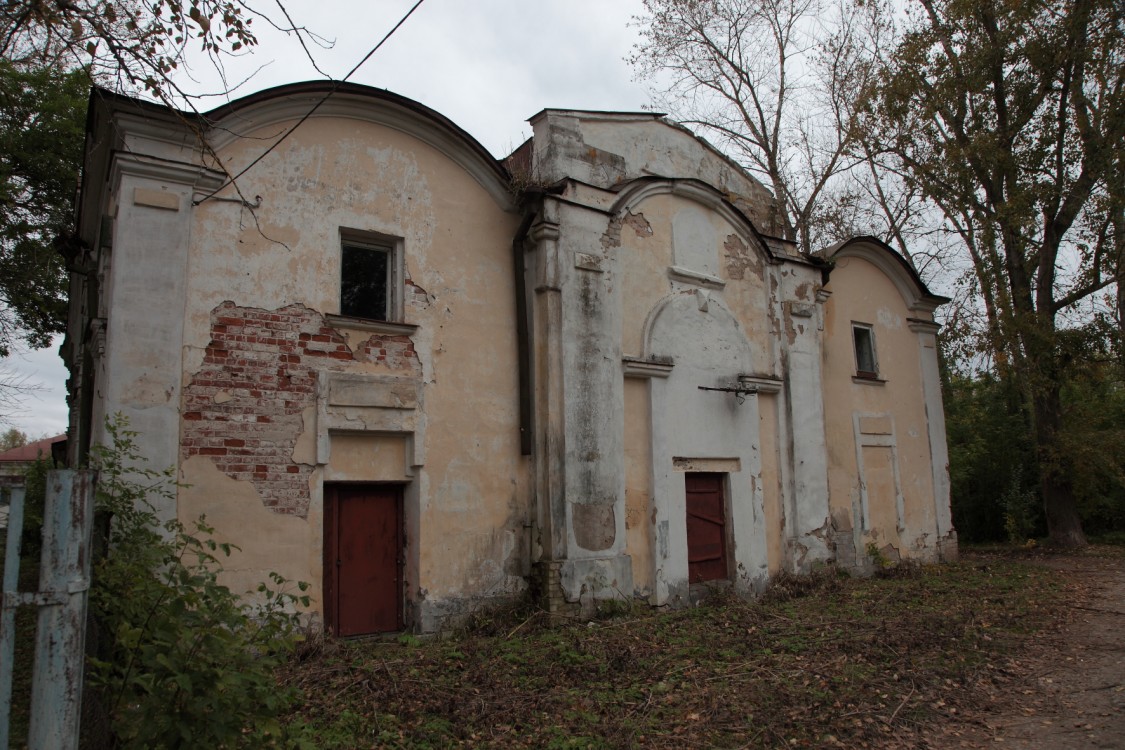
(1069, 691)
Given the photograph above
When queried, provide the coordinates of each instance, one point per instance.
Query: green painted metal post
(64, 582)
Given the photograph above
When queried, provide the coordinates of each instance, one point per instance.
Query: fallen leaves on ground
(819, 661)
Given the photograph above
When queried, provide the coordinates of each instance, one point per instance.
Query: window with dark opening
(866, 365)
(365, 281)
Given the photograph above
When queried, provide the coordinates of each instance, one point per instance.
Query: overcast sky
(487, 65)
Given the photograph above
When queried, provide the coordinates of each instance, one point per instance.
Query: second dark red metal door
(706, 527)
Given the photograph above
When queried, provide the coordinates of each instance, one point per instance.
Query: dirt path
(1069, 692)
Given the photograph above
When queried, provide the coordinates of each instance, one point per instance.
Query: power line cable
(307, 115)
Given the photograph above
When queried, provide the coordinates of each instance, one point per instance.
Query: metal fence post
(11, 602)
(64, 581)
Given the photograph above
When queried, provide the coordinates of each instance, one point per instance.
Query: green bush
(182, 661)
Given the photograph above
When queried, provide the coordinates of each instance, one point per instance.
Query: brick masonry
(243, 407)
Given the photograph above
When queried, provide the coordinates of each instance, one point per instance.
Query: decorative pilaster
(935, 426)
(550, 442)
(808, 509)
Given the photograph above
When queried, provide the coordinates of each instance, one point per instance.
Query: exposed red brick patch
(639, 224)
(740, 258)
(265, 363)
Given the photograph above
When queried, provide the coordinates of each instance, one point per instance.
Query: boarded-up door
(706, 527)
(362, 558)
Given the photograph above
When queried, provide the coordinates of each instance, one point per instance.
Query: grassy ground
(818, 662)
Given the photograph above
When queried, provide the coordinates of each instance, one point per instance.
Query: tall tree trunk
(1064, 527)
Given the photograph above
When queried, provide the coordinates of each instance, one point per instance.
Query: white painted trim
(634, 367)
(181, 173)
(375, 326)
(923, 326)
(686, 275)
(762, 383)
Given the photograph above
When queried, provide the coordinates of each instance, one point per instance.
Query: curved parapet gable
(610, 149)
(284, 104)
(118, 123)
(915, 294)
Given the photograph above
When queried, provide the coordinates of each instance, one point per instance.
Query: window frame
(869, 331)
(376, 241)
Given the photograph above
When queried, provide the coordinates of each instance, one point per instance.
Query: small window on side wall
(866, 365)
(370, 277)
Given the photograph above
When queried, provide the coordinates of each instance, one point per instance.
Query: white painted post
(64, 581)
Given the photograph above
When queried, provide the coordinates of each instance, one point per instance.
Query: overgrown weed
(785, 586)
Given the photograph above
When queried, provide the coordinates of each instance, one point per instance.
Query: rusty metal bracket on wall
(740, 392)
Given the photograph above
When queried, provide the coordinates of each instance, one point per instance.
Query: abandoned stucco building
(386, 366)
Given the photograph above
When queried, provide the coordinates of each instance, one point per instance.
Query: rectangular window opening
(369, 279)
(866, 366)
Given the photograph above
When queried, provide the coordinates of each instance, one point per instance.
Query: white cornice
(761, 383)
(180, 173)
(923, 326)
(686, 275)
(635, 367)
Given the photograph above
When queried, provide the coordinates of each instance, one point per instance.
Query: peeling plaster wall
(772, 481)
(881, 471)
(648, 240)
(590, 281)
(799, 341)
(638, 484)
(609, 149)
(261, 409)
(286, 544)
(142, 271)
(647, 248)
(698, 430)
(684, 264)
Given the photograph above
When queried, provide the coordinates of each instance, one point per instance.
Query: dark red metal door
(363, 558)
(706, 527)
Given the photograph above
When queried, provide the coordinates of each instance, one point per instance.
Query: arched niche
(700, 424)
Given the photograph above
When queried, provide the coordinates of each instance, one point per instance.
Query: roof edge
(892, 263)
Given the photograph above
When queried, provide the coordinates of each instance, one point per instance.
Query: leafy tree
(1010, 117)
(13, 438)
(42, 116)
(1093, 434)
(991, 461)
